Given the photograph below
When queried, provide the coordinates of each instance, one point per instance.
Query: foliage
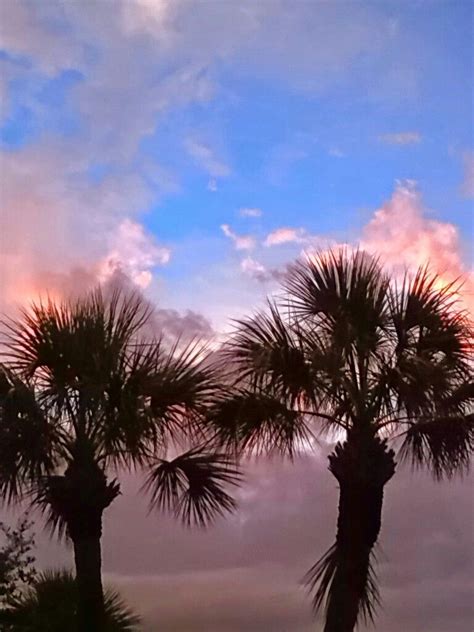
(17, 561)
(48, 605)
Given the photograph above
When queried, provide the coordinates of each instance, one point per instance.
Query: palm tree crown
(348, 349)
(82, 391)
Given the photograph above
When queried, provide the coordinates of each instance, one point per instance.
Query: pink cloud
(286, 235)
(60, 233)
(405, 236)
(241, 242)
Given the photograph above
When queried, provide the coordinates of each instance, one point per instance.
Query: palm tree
(82, 392)
(348, 349)
(49, 605)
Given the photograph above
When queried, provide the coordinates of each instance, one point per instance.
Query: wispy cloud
(241, 242)
(335, 152)
(401, 138)
(205, 157)
(250, 212)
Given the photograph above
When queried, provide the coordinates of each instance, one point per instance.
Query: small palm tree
(81, 393)
(349, 350)
(49, 605)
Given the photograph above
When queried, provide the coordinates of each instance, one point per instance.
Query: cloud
(24, 34)
(230, 600)
(212, 185)
(148, 16)
(205, 158)
(401, 138)
(134, 253)
(468, 182)
(56, 221)
(286, 235)
(185, 326)
(244, 574)
(241, 242)
(405, 236)
(256, 270)
(335, 152)
(252, 267)
(250, 212)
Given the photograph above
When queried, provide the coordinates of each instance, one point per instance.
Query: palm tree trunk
(88, 560)
(80, 497)
(362, 466)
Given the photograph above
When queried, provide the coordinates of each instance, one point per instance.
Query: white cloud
(206, 159)
(241, 242)
(401, 138)
(250, 212)
(252, 267)
(134, 253)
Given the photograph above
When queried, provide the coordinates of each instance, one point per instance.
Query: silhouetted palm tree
(347, 349)
(81, 392)
(49, 605)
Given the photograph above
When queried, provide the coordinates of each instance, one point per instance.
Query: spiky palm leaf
(192, 486)
(49, 606)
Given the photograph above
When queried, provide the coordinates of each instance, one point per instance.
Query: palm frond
(320, 577)
(345, 294)
(255, 422)
(443, 444)
(27, 436)
(160, 397)
(267, 352)
(192, 486)
(50, 606)
(74, 344)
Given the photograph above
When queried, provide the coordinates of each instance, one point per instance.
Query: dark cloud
(244, 574)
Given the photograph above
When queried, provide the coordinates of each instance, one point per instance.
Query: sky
(195, 149)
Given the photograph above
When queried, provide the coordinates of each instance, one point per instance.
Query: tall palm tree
(348, 349)
(49, 605)
(82, 392)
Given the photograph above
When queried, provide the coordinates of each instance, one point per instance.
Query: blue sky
(175, 115)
